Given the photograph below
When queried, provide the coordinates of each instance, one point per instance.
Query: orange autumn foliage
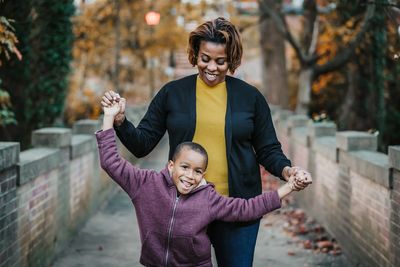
(331, 39)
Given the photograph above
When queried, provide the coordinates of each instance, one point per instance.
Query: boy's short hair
(192, 146)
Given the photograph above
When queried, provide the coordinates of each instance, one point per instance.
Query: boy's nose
(189, 174)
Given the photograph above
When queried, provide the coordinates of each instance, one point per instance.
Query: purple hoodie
(173, 229)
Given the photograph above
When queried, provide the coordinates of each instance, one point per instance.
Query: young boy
(175, 206)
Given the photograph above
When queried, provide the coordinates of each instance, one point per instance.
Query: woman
(227, 116)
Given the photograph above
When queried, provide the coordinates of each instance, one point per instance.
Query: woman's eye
(205, 59)
(221, 62)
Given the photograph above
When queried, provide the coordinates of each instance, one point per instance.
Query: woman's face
(212, 63)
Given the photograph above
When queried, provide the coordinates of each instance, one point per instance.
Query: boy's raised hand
(107, 100)
(112, 109)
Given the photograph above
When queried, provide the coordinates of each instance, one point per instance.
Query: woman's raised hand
(107, 100)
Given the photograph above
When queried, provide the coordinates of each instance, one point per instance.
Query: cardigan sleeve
(266, 145)
(141, 140)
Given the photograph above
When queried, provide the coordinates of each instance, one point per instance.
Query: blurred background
(333, 60)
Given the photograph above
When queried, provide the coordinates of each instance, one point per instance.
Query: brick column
(9, 250)
(92, 186)
(365, 183)
(59, 139)
(394, 162)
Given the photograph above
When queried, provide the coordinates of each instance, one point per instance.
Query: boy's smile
(187, 171)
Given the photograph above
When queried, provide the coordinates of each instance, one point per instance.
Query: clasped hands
(107, 101)
(297, 178)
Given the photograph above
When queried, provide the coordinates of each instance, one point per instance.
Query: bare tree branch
(283, 29)
(345, 54)
(310, 15)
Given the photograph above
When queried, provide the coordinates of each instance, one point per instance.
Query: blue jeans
(234, 243)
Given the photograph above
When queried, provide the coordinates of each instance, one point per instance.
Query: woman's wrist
(286, 173)
(119, 119)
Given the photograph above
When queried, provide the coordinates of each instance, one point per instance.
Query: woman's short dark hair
(192, 146)
(220, 31)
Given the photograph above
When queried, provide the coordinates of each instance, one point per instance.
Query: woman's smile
(212, 63)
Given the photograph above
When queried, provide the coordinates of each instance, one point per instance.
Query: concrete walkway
(111, 236)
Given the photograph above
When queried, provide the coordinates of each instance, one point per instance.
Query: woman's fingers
(122, 104)
(109, 97)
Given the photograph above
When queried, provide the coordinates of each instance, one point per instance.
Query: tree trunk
(275, 84)
(303, 95)
(347, 116)
(117, 46)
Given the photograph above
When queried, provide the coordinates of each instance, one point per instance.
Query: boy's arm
(237, 209)
(121, 171)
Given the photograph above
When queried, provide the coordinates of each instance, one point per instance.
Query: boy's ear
(170, 165)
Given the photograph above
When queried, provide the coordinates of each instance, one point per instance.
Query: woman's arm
(266, 145)
(141, 140)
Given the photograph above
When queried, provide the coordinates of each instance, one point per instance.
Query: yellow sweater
(211, 105)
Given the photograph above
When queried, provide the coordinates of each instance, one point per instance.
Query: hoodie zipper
(170, 229)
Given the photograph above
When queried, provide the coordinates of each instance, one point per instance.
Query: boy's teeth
(186, 183)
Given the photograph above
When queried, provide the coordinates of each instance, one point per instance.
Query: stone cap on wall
(86, 127)
(82, 144)
(9, 154)
(299, 134)
(36, 161)
(394, 157)
(354, 140)
(298, 121)
(318, 129)
(370, 164)
(326, 146)
(51, 137)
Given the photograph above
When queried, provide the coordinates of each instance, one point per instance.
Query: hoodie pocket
(153, 250)
(184, 252)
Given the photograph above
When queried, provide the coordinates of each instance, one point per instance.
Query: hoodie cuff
(272, 201)
(105, 136)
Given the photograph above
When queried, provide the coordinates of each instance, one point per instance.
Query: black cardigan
(249, 132)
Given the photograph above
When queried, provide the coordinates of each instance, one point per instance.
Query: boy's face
(187, 170)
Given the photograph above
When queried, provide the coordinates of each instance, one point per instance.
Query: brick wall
(355, 192)
(49, 191)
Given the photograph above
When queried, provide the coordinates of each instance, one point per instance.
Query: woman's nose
(212, 66)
